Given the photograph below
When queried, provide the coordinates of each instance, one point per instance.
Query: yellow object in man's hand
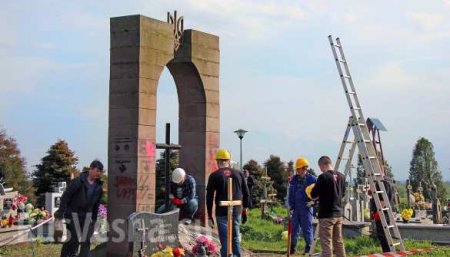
(308, 191)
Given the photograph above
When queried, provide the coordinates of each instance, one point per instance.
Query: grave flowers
(406, 214)
(169, 252)
(204, 246)
(102, 214)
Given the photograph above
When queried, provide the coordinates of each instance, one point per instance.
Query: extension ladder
(366, 149)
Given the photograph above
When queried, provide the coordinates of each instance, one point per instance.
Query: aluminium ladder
(366, 149)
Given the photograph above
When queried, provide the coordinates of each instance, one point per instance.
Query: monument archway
(140, 49)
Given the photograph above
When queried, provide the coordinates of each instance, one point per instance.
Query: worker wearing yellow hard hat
(301, 212)
(223, 154)
(217, 190)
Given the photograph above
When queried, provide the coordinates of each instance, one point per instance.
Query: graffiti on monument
(125, 187)
(122, 145)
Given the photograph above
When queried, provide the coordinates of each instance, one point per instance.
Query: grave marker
(147, 232)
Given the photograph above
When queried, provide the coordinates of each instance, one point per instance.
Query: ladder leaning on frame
(367, 151)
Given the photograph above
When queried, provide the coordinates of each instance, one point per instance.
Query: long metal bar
(366, 149)
(167, 167)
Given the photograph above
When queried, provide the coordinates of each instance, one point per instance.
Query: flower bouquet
(406, 214)
(204, 247)
(277, 220)
(169, 252)
(102, 214)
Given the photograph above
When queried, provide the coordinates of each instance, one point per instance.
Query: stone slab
(160, 229)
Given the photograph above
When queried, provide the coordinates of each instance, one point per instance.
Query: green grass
(257, 235)
(264, 235)
(25, 249)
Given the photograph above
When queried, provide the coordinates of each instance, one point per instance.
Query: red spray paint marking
(150, 149)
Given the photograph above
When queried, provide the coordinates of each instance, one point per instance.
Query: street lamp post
(240, 133)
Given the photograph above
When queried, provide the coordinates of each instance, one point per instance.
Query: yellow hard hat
(301, 162)
(308, 191)
(223, 154)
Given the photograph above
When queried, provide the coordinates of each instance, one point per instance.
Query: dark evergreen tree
(278, 171)
(254, 169)
(388, 170)
(360, 172)
(12, 166)
(161, 175)
(312, 172)
(424, 168)
(55, 167)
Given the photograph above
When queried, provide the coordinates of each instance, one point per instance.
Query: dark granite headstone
(57, 201)
(7, 204)
(152, 231)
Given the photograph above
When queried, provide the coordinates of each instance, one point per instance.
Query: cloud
(8, 35)
(426, 21)
(249, 20)
(349, 17)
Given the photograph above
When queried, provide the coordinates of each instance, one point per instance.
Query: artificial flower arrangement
(169, 252)
(285, 235)
(204, 246)
(277, 220)
(102, 214)
(406, 214)
(418, 197)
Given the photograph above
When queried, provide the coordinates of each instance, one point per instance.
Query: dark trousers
(381, 236)
(78, 234)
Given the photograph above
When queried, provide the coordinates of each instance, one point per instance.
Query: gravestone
(147, 232)
(140, 48)
(6, 200)
(53, 199)
(348, 210)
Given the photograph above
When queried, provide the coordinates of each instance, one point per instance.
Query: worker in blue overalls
(300, 211)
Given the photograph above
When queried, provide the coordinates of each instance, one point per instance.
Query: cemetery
(128, 223)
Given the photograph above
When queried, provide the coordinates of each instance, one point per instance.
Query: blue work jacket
(297, 194)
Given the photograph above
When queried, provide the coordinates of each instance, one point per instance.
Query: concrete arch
(140, 49)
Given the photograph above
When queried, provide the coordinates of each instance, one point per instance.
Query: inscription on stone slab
(150, 231)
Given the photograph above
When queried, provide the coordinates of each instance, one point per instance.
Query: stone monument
(53, 199)
(140, 49)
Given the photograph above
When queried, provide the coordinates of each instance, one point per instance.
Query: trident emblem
(177, 28)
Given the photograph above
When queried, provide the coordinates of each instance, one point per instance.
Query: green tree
(254, 168)
(161, 175)
(278, 171)
(55, 167)
(360, 172)
(12, 166)
(424, 169)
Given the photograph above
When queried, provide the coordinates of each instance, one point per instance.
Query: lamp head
(240, 133)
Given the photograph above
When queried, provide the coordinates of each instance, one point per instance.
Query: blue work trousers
(302, 220)
(222, 226)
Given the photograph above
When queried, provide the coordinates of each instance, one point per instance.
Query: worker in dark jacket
(330, 188)
(79, 204)
(376, 215)
(218, 187)
(300, 211)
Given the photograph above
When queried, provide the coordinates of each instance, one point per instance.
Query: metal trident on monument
(230, 204)
(178, 27)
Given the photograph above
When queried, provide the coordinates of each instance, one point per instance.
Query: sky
(278, 79)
